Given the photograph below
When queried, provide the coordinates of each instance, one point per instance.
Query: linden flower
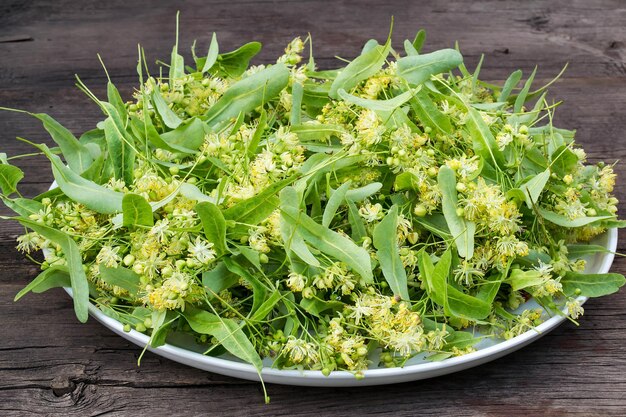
(292, 52)
(108, 256)
(464, 166)
(290, 139)
(286, 100)
(201, 250)
(404, 228)
(28, 242)
(406, 342)
(510, 247)
(161, 230)
(300, 351)
(607, 179)
(258, 241)
(571, 209)
(171, 295)
(574, 308)
(362, 308)
(369, 128)
(371, 212)
(240, 192)
(437, 338)
(296, 282)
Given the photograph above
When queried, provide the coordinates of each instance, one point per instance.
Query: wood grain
(52, 365)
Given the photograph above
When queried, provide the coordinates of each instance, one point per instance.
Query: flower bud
(420, 210)
(129, 260)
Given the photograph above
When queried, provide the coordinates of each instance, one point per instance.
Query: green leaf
(406, 181)
(429, 114)
(435, 223)
(292, 239)
(315, 96)
(564, 161)
(335, 200)
(177, 64)
(386, 242)
(462, 230)
(95, 171)
(251, 255)
(53, 277)
(259, 291)
(564, 221)
(267, 307)
(10, 176)
(167, 115)
(361, 193)
(316, 131)
(331, 243)
(361, 68)
(22, 206)
(120, 153)
(489, 290)
(211, 57)
(120, 277)
(521, 97)
(509, 85)
(418, 41)
(75, 153)
(519, 279)
(235, 63)
(192, 192)
(257, 135)
(576, 251)
(438, 281)
(382, 105)
(80, 287)
(257, 208)
(484, 143)
(418, 68)
(249, 93)
(297, 92)
(226, 331)
(529, 117)
(316, 307)
(218, 279)
(534, 187)
(160, 332)
(113, 95)
(356, 223)
(466, 306)
(461, 340)
(188, 136)
(214, 225)
(591, 285)
(148, 131)
(92, 195)
(136, 211)
(409, 48)
(397, 118)
(369, 45)
(436, 276)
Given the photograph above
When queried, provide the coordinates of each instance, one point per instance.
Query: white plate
(416, 368)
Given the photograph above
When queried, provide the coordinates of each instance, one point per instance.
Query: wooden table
(51, 364)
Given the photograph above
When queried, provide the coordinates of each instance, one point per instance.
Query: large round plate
(488, 349)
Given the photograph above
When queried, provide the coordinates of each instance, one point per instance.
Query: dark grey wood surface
(51, 364)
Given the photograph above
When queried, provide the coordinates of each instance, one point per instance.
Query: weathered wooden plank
(554, 33)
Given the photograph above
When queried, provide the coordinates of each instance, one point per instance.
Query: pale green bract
(327, 220)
